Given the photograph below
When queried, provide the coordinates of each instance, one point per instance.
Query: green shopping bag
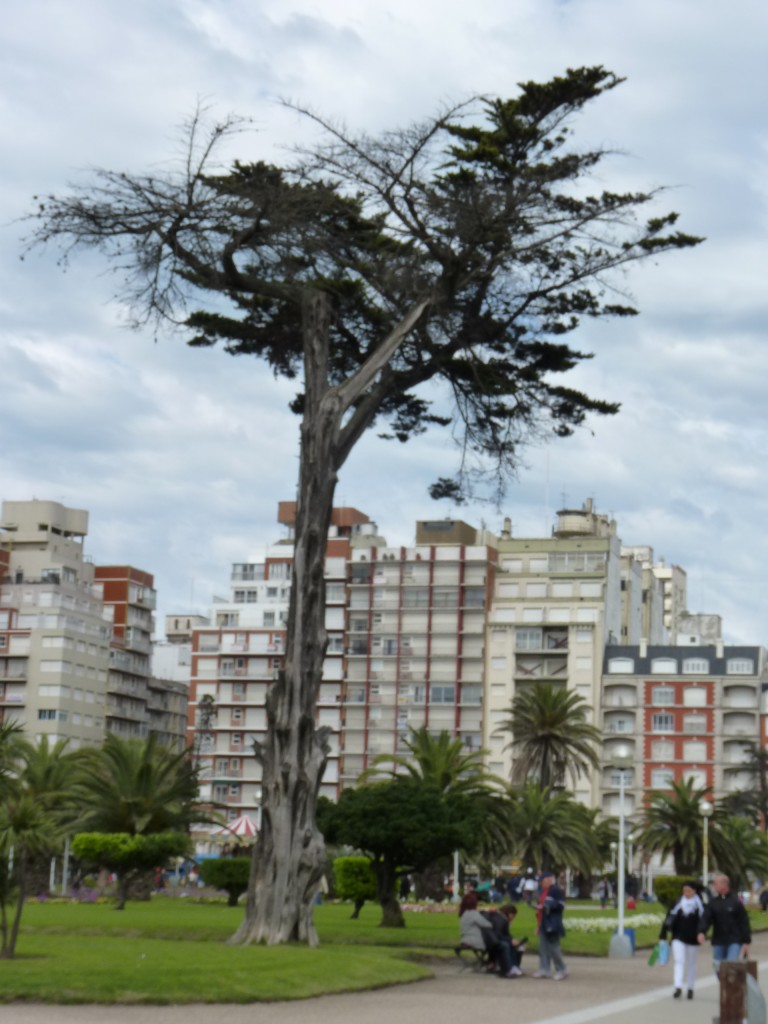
(654, 955)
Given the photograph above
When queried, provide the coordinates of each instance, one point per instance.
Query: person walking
(727, 915)
(549, 916)
(683, 923)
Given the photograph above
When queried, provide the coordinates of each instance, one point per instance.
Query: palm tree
(443, 763)
(26, 833)
(440, 761)
(754, 800)
(550, 829)
(10, 740)
(50, 774)
(673, 826)
(551, 737)
(138, 787)
(748, 854)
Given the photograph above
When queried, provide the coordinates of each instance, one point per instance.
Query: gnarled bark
(288, 858)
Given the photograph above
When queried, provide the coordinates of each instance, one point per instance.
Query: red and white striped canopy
(241, 828)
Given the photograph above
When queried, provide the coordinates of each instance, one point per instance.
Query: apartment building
(557, 602)
(683, 711)
(128, 599)
(75, 639)
(415, 641)
(236, 657)
(444, 633)
(54, 641)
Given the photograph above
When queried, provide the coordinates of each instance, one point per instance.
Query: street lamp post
(705, 809)
(620, 945)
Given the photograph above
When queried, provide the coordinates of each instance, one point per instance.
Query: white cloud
(181, 455)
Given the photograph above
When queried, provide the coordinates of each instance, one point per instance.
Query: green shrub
(230, 874)
(667, 889)
(354, 880)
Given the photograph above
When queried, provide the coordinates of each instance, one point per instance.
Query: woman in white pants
(683, 923)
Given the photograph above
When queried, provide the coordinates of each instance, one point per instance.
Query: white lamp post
(620, 945)
(705, 809)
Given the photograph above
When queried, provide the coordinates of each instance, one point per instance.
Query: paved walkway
(615, 991)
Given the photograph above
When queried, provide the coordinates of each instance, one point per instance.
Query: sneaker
(541, 974)
(514, 972)
(561, 976)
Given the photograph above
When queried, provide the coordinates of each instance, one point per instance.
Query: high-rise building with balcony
(684, 711)
(75, 639)
(128, 598)
(54, 641)
(415, 641)
(557, 601)
(236, 657)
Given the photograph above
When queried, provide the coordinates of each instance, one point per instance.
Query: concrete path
(615, 991)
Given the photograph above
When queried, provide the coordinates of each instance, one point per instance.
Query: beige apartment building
(556, 603)
(75, 639)
(54, 640)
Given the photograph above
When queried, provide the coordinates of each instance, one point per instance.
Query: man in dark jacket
(731, 933)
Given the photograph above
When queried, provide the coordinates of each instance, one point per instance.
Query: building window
(471, 694)
(662, 695)
(442, 694)
(614, 779)
(529, 639)
(695, 697)
(695, 750)
(621, 666)
(660, 666)
(662, 750)
(621, 725)
(695, 723)
(662, 778)
(695, 666)
(740, 667)
(663, 723)
(46, 714)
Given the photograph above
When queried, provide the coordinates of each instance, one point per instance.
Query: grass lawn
(172, 950)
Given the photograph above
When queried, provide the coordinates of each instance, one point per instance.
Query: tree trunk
(9, 950)
(386, 882)
(123, 884)
(288, 858)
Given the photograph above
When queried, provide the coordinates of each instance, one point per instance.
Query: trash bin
(630, 933)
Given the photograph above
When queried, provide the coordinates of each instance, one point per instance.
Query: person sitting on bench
(477, 932)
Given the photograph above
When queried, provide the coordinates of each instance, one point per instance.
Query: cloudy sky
(181, 455)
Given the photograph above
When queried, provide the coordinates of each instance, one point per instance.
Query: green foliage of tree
(138, 787)
(130, 855)
(551, 737)
(746, 850)
(453, 256)
(402, 826)
(673, 826)
(230, 874)
(26, 832)
(752, 802)
(441, 761)
(551, 830)
(667, 888)
(355, 880)
(37, 804)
